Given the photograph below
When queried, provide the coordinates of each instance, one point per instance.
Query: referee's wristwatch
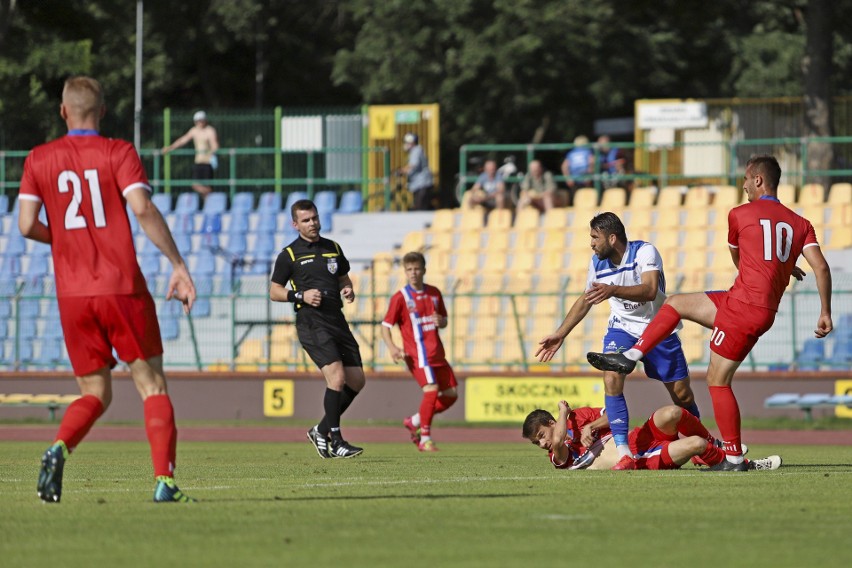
(300, 297)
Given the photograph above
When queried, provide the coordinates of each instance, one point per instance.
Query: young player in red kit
(580, 439)
(765, 239)
(419, 310)
(84, 181)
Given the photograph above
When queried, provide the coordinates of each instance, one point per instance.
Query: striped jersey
(413, 310)
(627, 315)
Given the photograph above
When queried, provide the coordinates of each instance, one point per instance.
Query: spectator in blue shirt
(579, 161)
(489, 190)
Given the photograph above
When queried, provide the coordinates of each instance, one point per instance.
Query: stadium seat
(204, 287)
(726, 197)
(642, 197)
(150, 266)
(169, 328)
(500, 219)
(326, 201)
(671, 196)
(163, 201)
(585, 199)
(613, 199)
(50, 353)
(5, 310)
(187, 202)
(10, 265)
(842, 353)
(267, 223)
(840, 193)
(39, 266)
(787, 194)
(239, 222)
(237, 243)
(269, 201)
(243, 202)
(811, 355)
(205, 264)
(4, 204)
(697, 197)
(184, 223)
(811, 194)
(16, 244)
(351, 202)
(211, 223)
(293, 197)
(134, 222)
(527, 218)
(184, 243)
(52, 326)
(216, 202)
(25, 352)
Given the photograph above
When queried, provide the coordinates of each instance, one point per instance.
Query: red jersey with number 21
(770, 238)
(82, 180)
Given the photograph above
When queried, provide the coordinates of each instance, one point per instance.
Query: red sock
(427, 410)
(78, 419)
(444, 402)
(662, 326)
(162, 433)
(727, 413)
(689, 425)
(712, 455)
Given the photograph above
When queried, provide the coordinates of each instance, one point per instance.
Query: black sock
(346, 397)
(331, 420)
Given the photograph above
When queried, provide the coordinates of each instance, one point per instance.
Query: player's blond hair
(82, 96)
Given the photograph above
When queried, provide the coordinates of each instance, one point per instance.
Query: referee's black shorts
(326, 338)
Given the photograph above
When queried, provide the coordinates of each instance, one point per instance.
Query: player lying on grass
(580, 439)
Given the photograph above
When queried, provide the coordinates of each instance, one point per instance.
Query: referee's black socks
(335, 404)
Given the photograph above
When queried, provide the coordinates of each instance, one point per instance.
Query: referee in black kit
(312, 273)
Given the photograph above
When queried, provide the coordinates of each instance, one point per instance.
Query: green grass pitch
(468, 505)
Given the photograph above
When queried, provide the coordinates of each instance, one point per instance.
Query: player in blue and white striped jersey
(630, 275)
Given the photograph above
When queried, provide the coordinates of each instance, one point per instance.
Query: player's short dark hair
(302, 205)
(534, 420)
(609, 224)
(768, 167)
(414, 257)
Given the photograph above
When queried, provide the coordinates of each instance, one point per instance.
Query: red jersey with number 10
(413, 310)
(82, 180)
(770, 237)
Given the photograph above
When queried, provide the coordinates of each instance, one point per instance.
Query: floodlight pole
(137, 99)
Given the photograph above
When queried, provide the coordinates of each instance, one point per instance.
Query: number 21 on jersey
(783, 234)
(70, 181)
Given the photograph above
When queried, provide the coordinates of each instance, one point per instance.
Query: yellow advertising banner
(382, 121)
(843, 387)
(278, 398)
(509, 399)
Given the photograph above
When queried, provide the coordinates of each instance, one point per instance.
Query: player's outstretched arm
(182, 141)
(549, 345)
(822, 273)
(557, 442)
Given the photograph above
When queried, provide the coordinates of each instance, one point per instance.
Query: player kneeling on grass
(419, 310)
(581, 439)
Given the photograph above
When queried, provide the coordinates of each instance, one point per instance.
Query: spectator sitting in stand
(579, 161)
(489, 189)
(538, 189)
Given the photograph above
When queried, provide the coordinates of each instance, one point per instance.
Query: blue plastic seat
(16, 244)
(10, 265)
(842, 353)
(5, 310)
(184, 223)
(205, 263)
(28, 328)
(326, 201)
(267, 223)
(212, 223)
(52, 327)
(150, 266)
(242, 202)
(326, 221)
(239, 223)
(169, 328)
(163, 201)
(25, 352)
(269, 201)
(134, 222)
(39, 266)
(204, 289)
(187, 202)
(811, 355)
(237, 243)
(4, 327)
(264, 245)
(292, 198)
(351, 202)
(216, 202)
(50, 353)
(184, 243)
(4, 204)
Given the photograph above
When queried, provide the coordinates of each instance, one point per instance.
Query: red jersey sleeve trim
(810, 245)
(29, 197)
(386, 324)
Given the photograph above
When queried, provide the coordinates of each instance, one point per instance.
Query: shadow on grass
(371, 497)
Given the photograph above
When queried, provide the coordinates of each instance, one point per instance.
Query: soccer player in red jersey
(579, 439)
(765, 240)
(419, 311)
(84, 181)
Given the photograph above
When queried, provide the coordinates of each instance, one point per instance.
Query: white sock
(633, 354)
(415, 419)
(424, 439)
(735, 459)
(624, 451)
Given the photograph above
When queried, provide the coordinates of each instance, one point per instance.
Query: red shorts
(442, 376)
(737, 326)
(651, 446)
(93, 325)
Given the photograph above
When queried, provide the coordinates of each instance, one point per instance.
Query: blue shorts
(665, 362)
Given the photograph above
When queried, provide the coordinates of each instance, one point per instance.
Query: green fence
(245, 331)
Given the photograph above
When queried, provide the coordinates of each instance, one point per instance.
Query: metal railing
(243, 330)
